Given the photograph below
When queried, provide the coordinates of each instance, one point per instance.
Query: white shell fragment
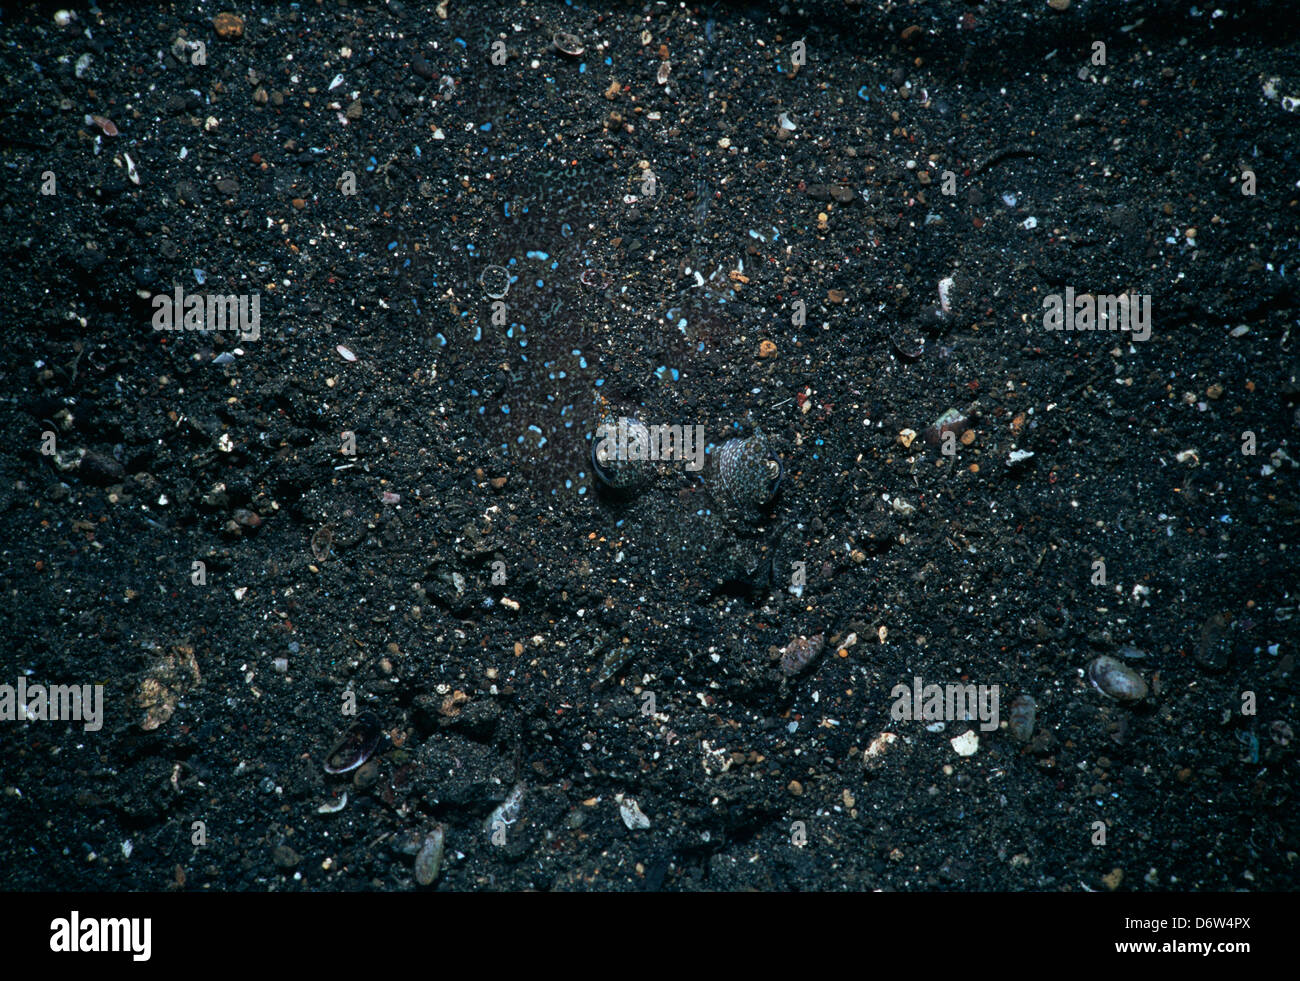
(945, 294)
(966, 744)
(345, 353)
(630, 811)
(334, 806)
(1115, 679)
(873, 755)
(507, 813)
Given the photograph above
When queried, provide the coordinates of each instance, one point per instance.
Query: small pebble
(335, 805)
(428, 863)
(249, 519)
(632, 816)
(228, 26)
(966, 744)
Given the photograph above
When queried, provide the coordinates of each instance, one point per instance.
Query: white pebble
(945, 294)
(630, 811)
(966, 744)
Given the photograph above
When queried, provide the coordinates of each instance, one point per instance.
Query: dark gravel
(461, 577)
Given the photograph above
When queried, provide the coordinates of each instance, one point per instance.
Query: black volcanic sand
(224, 697)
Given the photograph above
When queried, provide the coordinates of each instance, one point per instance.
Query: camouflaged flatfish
(614, 435)
(748, 471)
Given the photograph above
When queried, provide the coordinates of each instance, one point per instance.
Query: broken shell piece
(632, 815)
(951, 421)
(1017, 457)
(507, 813)
(357, 745)
(568, 44)
(1116, 680)
(966, 744)
(873, 755)
(334, 806)
(945, 294)
(908, 344)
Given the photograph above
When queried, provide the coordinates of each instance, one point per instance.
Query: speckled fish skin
(621, 476)
(748, 471)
